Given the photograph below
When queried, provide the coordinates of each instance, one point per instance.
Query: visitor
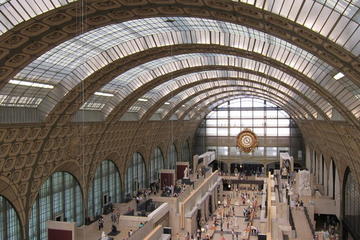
(198, 234)
(130, 233)
(101, 223)
(117, 217)
(113, 218)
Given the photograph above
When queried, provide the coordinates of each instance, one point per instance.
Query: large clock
(246, 141)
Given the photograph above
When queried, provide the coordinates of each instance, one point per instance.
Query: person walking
(101, 223)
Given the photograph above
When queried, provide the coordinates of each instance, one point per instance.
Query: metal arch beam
(167, 97)
(190, 97)
(34, 37)
(271, 96)
(292, 112)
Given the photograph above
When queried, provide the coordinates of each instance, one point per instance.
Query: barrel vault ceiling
(145, 57)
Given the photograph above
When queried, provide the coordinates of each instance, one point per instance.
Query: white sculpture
(303, 183)
(103, 236)
(286, 164)
(186, 173)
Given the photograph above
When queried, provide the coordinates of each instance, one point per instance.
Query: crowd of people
(226, 219)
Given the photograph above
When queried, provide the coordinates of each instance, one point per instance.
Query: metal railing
(291, 221)
(309, 221)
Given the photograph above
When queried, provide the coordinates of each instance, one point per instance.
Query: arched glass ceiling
(222, 86)
(80, 56)
(184, 109)
(156, 94)
(149, 71)
(67, 64)
(281, 98)
(235, 101)
(337, 20)
(203, 106)
(175, 100)
(218, 102)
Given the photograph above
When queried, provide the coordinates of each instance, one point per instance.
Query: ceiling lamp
(31, 84)
(142, 100)
(339, 75)
(104, 94)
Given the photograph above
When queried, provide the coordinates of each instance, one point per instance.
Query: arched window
(322, 169)
(60, 197)
(272, 125)
(105, 188)
(172, 157)
(332, 178)
(185, 152)
(156, 164)
(315, 161)
(135, 174)
(351, 198)
(9, 221)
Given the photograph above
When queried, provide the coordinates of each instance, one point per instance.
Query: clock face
(247, 141)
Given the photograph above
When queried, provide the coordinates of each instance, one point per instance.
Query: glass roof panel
(18, 11)
(334, 19)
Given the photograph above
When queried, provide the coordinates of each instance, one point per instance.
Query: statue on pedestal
(303, 183)
(186, 173)
(286, 168)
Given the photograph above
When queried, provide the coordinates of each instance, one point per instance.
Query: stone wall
(30, 153)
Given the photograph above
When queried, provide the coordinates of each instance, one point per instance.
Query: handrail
(251, 221)
(309, 221)
(278, 191)
(291, 221)
(269, 227)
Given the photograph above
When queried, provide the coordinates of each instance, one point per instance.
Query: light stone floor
(241, 224)
(91, 232)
